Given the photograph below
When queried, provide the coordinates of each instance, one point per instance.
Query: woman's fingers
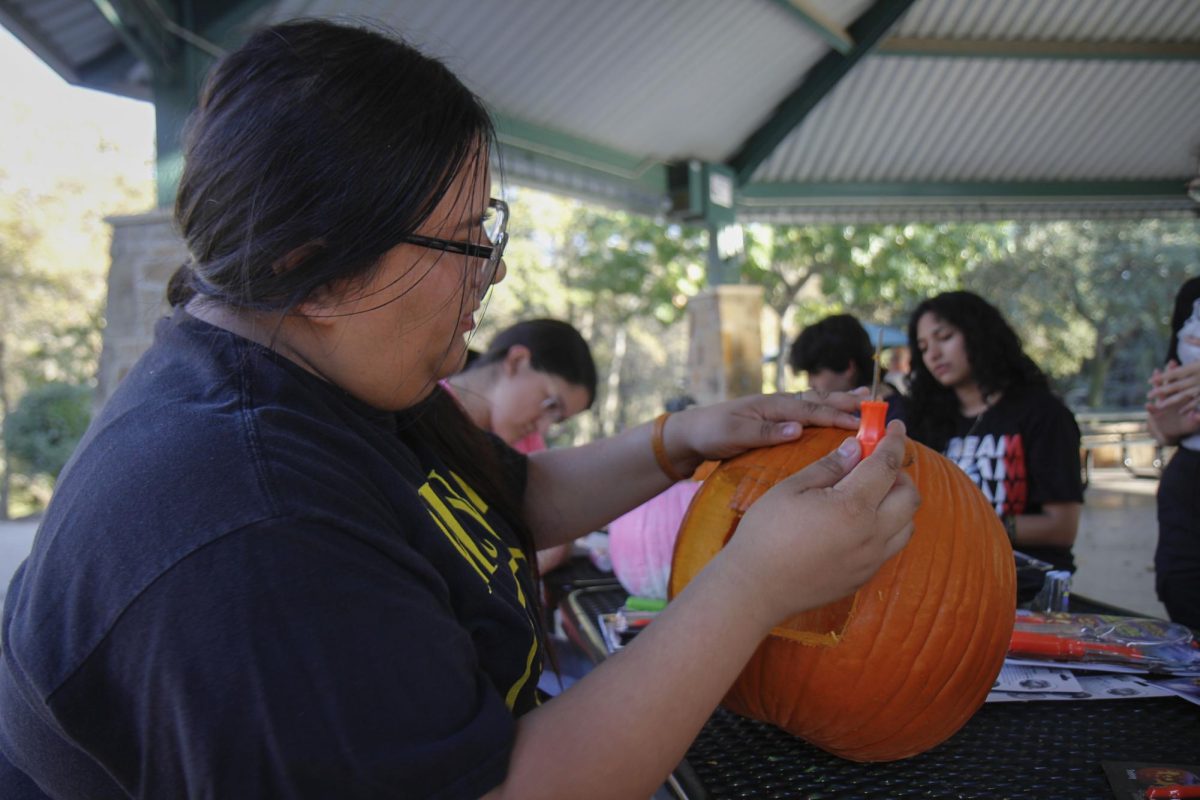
(874, 478)
(827, 470)
(822, 532)
(899, 504)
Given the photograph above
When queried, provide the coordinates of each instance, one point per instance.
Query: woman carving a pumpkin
(283, 562)
(980, 401)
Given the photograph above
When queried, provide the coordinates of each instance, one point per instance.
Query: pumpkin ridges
(986, 647)
(962, 705)
(922, 548)
(851, 671)
(840, 687)
(934, 675)
(882, 724)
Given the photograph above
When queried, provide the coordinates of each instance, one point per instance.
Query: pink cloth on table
(532, 443)
(641, 542)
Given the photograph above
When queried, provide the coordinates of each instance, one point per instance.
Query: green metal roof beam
(109, 72)
(769, 194)
(580, 155)
(829, 31)
(140, 32)
(866, 31)
(1010, 49)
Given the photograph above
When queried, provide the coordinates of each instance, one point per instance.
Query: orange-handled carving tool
(873, 412)
(1047, 644)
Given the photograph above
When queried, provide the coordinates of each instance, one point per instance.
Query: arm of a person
(618, 732)
(1056, 526)
(1053, 469)
(570, 492)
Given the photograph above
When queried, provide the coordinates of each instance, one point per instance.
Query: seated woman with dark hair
(981, 401)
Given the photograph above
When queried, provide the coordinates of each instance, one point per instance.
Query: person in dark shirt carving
(284, 563)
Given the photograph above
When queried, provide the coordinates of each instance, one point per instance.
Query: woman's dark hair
(834, 343)
(315, 149)
(998, 363)
(555, 347)
(1188, 294)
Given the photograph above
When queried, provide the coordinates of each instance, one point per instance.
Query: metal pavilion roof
(820, 109)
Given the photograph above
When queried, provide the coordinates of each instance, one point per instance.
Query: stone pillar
(725, 343)
(146, 250)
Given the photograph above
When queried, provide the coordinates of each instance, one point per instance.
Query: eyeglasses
(495, 227)
(553, 409)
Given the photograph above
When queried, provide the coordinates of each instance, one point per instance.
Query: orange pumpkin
(900, 665)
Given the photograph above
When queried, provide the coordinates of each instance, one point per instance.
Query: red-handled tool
(1171, 791)
(1046, 644)
(873, 412)
(873, 425)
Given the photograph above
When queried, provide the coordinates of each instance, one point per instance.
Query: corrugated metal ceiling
(968, 108)
(667, 79)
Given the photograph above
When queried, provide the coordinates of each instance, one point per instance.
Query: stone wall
(146, 250)
(725, 343)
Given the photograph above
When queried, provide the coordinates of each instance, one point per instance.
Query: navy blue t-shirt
(248, 585)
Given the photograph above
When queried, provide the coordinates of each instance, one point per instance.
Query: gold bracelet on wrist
(660, 450)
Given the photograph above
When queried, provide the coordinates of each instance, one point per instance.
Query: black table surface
(1007, 750)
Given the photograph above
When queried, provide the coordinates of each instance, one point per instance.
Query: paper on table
(1018, 678)
(1187, 688)
(1094, 687)
(1077, 666)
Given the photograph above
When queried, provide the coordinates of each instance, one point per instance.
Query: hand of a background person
(726, 429)
(1176, 387)
(820, 534)
(1167, 425)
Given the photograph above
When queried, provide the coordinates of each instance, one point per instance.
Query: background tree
(1092, 299)
(54, 245)
(875, 272)
(41, 432)
(623, 280)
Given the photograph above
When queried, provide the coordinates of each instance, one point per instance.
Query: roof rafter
(833, 34)
(139, 30)
(866, 31)
(1039, 49)
(782, 193)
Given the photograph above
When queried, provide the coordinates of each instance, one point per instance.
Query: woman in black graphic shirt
(979, 400)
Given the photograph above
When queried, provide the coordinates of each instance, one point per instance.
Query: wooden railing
(1119, 438)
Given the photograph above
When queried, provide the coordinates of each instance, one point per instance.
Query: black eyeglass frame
(491, 253)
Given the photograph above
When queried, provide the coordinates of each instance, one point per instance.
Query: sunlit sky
(51, 129)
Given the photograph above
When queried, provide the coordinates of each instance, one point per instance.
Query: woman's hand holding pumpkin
(726, 429)
(820, 534)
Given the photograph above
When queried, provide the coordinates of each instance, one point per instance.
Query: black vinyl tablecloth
(1032, 749)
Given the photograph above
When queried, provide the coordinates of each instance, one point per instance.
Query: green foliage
(622, 279)
(1090, 299)
(41, 433)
